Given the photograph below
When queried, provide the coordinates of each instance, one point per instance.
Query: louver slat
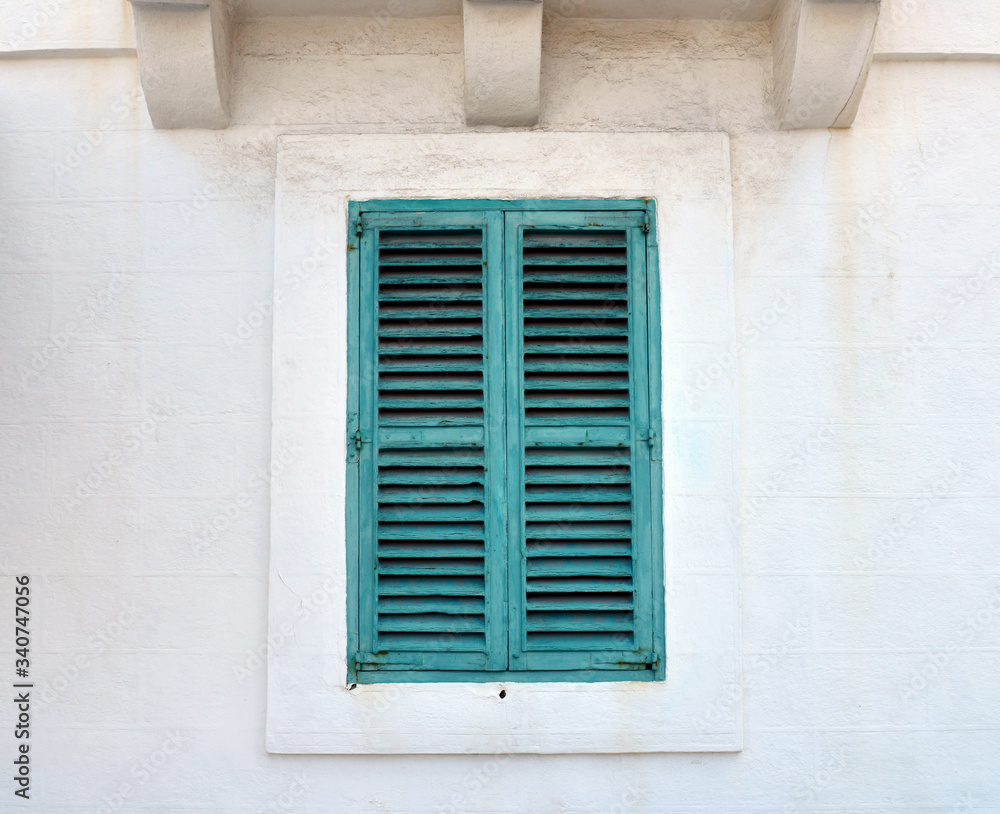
(427, 562)
(579, 604)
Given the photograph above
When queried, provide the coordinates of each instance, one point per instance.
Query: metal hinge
(645, 223)
(354, 439)
(649, 436)
(359, 226)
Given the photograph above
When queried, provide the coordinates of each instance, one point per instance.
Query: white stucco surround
(309, 706)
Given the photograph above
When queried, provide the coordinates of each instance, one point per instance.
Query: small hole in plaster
(503, 693)
(352, 686)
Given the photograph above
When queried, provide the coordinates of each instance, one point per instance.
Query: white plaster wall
(939, 29)
(40, 27)
(871, 624)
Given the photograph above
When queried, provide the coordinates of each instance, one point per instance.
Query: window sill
(509, 676)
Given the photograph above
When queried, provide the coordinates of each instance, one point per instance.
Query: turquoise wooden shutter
(580, 439)
(430, 440)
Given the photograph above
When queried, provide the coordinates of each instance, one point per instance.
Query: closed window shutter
(432, 576)
(503, 376)
(579, 441)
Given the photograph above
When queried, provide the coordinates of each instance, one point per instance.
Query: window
(312, 705)
(504, 516)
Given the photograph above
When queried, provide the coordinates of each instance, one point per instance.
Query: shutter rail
(363, 660)
(627, 659)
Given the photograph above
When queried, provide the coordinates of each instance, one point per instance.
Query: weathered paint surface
(136, 460)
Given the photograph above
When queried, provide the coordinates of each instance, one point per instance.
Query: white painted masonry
(137, 272)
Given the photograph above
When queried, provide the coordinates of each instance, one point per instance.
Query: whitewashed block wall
(135, 280)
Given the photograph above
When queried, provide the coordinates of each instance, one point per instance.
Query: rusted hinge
(640, 658)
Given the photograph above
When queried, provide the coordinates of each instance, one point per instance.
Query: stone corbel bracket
(184, 61)
(503, 61)
(822, 53)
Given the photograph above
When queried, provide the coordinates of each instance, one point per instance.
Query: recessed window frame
(310, 709)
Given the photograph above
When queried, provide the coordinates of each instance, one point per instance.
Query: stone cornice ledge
(822, 54)
(184, 61)
(503, 61)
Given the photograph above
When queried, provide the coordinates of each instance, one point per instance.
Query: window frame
(648, 361)
(309, 707)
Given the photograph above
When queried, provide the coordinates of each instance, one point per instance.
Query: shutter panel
(580, 557)
(431, 480)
